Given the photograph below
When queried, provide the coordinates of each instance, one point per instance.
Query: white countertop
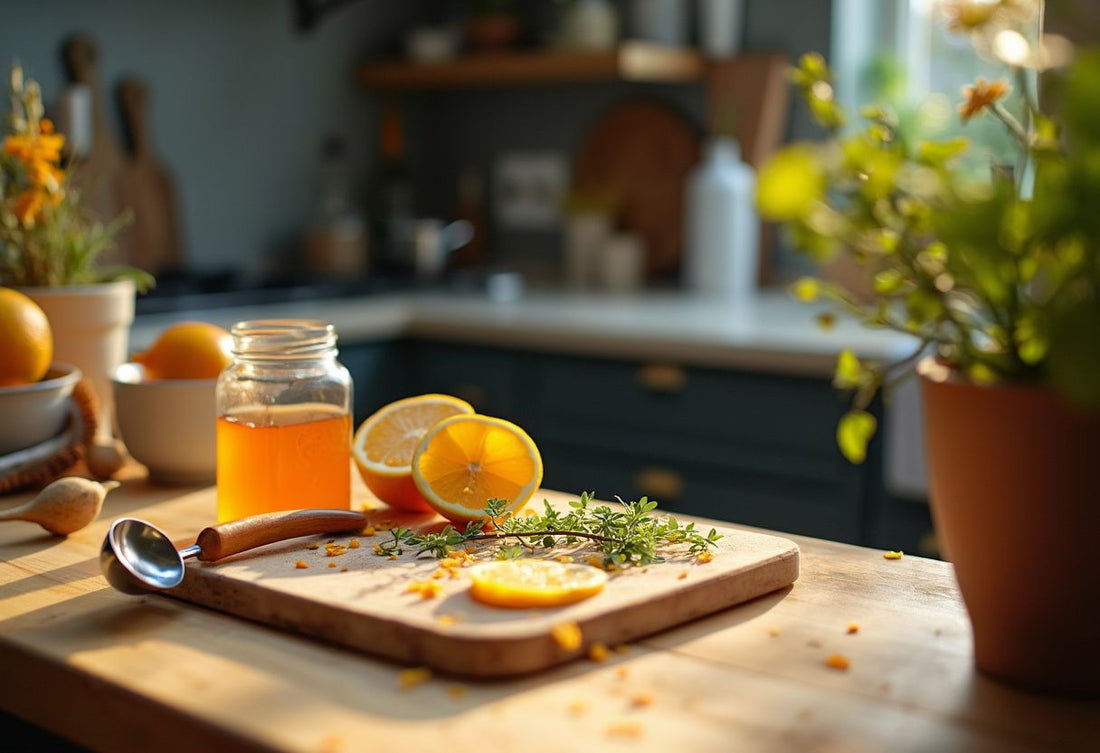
(773, 333)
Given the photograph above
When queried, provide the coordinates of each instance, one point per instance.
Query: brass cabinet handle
(662, 484)
(662, 377)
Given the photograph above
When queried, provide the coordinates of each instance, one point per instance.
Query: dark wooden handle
(241, 535)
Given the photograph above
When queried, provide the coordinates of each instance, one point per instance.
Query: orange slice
(464, 461)
(384, 444)
(528, 583)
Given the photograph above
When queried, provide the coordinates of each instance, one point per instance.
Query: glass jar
(284, 420)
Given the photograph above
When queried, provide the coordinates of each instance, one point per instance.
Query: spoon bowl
(137, 557)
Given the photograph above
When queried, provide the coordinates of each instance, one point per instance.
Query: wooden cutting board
(367, 607)
(640, 153)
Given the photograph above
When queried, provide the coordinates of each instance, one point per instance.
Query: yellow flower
(979, 96)
(969, 15)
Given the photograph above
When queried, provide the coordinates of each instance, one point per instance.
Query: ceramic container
(33, 413)
(167, 424)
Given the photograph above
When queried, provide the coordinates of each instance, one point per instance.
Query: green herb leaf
(853, 433)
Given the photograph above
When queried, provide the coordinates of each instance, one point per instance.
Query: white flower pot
(91, 329)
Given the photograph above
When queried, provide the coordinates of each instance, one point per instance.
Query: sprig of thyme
(631, 536)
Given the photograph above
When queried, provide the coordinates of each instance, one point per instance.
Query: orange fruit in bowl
(188, 350)
(384, 444)
(26, 340)
(466, 460)
(532, 583)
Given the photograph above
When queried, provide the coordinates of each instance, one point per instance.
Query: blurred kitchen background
(281, 150)
(258, 117)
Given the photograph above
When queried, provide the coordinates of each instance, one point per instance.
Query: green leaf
(790, 183)
(936, 153)
(849, 371)
(806, 289)
(854, 431)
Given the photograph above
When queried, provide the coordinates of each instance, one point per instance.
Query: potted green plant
(995, 274)
(50, 243)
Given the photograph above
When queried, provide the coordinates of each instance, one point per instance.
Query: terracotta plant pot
(91, 329)
(1015, 489)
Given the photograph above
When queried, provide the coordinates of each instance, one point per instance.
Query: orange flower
(28, 206)
(979, 96)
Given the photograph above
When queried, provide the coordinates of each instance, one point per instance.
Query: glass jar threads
(284, 422)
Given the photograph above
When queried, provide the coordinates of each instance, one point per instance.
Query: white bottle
(721, 253)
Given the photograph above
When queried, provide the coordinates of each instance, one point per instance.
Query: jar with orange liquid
(284, 420)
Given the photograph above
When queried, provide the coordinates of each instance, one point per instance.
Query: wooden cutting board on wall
(363, 603)
(640, 153)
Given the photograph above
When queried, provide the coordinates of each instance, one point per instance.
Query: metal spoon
(137, 557)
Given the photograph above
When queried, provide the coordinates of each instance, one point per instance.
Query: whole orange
(188, 350)
(26, 340)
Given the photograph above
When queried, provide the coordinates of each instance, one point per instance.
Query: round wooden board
(642, 152)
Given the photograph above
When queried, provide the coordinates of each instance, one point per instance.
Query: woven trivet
(39, 465)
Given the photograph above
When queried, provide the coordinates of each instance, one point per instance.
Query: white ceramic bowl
(168, 425)
(33, 413)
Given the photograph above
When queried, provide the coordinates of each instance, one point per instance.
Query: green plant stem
(520, 534)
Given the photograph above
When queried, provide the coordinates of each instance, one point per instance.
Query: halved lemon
(530, 583)
(464, 461)
(384, 444)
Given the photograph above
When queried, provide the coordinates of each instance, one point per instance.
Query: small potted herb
(995, 274)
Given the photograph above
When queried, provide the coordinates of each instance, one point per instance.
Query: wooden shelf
(631, 61)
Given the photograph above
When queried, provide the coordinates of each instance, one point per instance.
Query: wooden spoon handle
(17, 513)
(241, 535)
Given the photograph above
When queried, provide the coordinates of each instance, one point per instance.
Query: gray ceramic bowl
(168, 425)
(33, 413)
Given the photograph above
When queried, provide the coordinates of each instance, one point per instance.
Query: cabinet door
(378, 370)
(491, 380)
(780, 502)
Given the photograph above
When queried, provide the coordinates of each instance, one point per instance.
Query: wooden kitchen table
(123, 673)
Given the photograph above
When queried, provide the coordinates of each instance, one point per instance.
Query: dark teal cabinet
(752, 448)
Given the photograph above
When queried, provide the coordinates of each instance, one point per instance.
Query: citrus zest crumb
(392, 557)
(837, 661)
(624, 729)
(704, 556)
(367, 507)
(683, 574)
(853, 628)
(893, 555)
(566, 558)
(410, 678)
(622, 672)
(447, 619)
(641, 699)
(332, 564)
(567, 635)
(598, 652)
(313, 546)
(577, 708)
(368, 531)
(773, 631)
(594, 561)
(622, 648)
(335, 550)
(344, 569)
(301, 565)
(428, 589)
(456, 691)
(353, 544)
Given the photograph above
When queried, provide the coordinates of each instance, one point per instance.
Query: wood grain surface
(120, 673)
